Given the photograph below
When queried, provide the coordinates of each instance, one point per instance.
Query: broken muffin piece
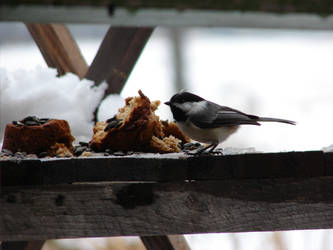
(136, 128)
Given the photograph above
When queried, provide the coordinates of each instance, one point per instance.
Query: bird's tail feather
(268, 119)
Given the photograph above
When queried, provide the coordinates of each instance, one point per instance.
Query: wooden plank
(22, 245)
(319, 6)
(117, 56)
(162, 17)
(179, 242)
(178, 167)
(163, 242)
(159, 242)
(147, 209)
(58, 48)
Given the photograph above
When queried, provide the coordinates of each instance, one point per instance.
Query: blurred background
(278, 73)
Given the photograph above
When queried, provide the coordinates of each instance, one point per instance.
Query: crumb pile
(136, 128)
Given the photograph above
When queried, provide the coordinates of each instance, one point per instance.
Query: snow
(39, 92)
(328, 149)
(109, 107)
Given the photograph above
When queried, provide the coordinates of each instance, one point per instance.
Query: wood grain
(160, 242)
(163, 242)
(58, 48)
(165, 169)
(319, 6)
(145, 209)
(22, 245)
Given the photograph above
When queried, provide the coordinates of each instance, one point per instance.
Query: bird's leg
(217, 152)
(201, 150)
(213, 147)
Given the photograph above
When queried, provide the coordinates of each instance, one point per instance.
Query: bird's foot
(202, 151)
(218, 151)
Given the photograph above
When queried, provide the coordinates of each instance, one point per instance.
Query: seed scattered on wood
(84, 144)
(43, 154)
(109, 150)
(119, 153)
(191, 146)
(78, 150)
(6, 151)
(33, 156)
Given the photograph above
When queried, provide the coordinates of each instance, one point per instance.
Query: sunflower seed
(84, 144)
(30, 118)
(79, 150)
(32, 123)
(43, 120)
(111, 119)
(42, 155)
(6, 151)
(18, 123)
(119, 153)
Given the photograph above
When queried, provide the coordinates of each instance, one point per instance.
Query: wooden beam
(160, 242)
(147, 209)
(163, 242)
(318, 6)
(22, 245)
(179, 242)
(58, 48)
(117, 56)
(165, 168)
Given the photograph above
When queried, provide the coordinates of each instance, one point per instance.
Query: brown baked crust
(171, 128)
(48, 137)
(141, 130)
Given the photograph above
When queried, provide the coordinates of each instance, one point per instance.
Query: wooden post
(117, 56)
(19, 245)
(58, 48)
(157, 242)
(162, 242)
(22, 245)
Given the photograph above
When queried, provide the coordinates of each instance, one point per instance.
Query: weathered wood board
(112, 196)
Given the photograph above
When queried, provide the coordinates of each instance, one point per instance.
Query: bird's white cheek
(185, 107)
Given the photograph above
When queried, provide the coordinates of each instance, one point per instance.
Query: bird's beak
(168, 103)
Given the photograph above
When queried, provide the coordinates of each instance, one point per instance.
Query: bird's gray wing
(215, 116)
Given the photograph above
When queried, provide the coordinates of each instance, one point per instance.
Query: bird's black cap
(184, 97)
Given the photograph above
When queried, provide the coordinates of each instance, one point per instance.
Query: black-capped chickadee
(208, 122)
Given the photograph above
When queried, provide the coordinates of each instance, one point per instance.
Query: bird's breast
(209, 135)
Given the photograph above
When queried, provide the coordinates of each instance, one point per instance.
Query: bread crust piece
(141, 130)
(171, 128)
(39, 138)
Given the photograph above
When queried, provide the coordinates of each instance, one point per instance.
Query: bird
(210, 123)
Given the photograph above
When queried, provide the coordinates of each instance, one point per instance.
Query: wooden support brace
(171, 242)
(117, 56)
(22, 245)
(58, 48)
